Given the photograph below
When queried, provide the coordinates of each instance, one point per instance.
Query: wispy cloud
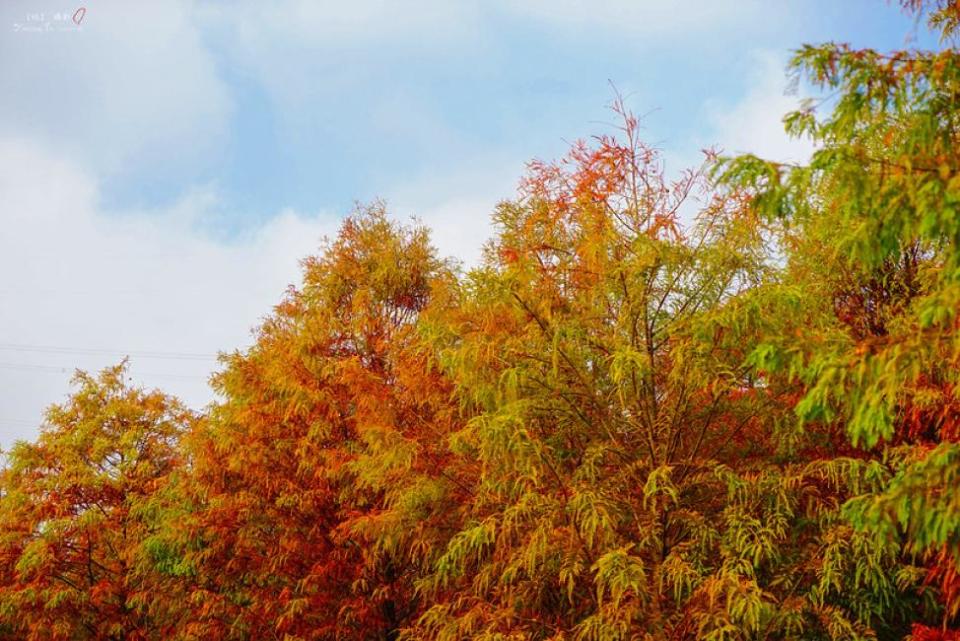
(136, 88)
(149, 281)
(754, 123)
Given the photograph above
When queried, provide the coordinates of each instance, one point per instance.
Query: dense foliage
(719, 406)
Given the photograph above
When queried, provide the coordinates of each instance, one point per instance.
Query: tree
(877, 206)
(304, 526)
(629, 478)
(75, 516)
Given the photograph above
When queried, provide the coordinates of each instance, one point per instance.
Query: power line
(79, 351)
(58, 369)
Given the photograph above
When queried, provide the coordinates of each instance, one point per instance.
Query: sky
(165, 165)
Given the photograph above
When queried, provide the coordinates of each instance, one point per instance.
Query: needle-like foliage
(716, 404)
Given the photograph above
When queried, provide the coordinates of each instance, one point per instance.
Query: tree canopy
(715, 404)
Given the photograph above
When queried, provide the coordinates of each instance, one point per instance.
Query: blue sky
(164, 165)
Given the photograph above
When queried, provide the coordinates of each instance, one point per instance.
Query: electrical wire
(58, 369)
(78, 351)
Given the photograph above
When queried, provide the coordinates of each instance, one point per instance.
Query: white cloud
(457, 203)
(458, 227)
(82, 278)
(79, 277)
(755, 123)
(133, 88)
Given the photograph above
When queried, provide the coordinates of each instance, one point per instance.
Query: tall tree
(75, 515)
(629, 481)
(877, 229)
(325, 422)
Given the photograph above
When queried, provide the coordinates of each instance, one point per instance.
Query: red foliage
(925, 633)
